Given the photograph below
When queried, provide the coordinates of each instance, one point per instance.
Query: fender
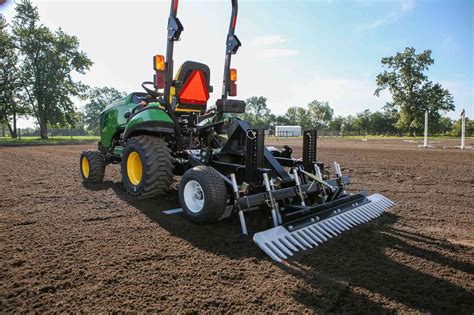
(150, 120)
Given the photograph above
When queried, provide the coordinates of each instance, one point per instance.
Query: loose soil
(69, 247)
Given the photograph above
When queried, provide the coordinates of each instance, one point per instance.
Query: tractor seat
(192, 87)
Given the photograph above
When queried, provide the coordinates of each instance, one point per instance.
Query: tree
(441, 126)
(411, 91)
(11, 106)
(336, 124)
(362, 121)
(320, 113)
(48, 61)
(257, 112)
(298, 116)
(348, 125)
(292, 115)
(456, 131)
(99, 98)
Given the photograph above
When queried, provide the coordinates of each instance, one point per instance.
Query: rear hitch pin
(243, 225)
(298, 186)
(270, 198)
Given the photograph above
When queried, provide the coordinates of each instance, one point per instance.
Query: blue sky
(292, 52)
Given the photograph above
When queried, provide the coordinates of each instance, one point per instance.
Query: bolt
(312, 220)
(290, 227)
(317, 218)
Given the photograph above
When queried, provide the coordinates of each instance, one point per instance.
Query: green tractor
(224, 165)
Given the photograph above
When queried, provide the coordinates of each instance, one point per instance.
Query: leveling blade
(282, 241)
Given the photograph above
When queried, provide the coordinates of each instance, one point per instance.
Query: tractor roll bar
(174, 31)
(232, 45)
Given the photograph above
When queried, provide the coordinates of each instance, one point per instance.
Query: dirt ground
(66, 247)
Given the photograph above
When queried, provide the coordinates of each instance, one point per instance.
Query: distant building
(288, 131)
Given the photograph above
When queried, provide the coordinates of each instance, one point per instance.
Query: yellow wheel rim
(134, 168)
(85, 167)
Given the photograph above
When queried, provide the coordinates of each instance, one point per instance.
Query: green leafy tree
(257, 112)
(442, 126)
(98, 98)
(348, 125)
(456, 130)
(336, 124)
(281, 120)
(362, 122)
(48, 61)
(11, 106)
(320, 113)
(292, 115)
(412, 93)
(298, 116)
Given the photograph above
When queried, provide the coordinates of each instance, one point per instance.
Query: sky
(292, 51)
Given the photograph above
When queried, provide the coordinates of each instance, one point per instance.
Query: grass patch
(51, 140)
(381, 137)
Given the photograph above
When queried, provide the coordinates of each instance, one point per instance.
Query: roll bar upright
(174, 32)
(232, 45)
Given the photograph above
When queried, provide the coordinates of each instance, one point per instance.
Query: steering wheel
(151, 92)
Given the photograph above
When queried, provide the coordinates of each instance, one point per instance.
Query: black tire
(92, 166)
(214, 194)
(156, 166)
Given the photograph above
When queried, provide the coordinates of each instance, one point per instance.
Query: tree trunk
(15, 131)
(44, 130)
(3, 130)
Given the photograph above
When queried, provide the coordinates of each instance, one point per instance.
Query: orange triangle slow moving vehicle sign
(194, 90)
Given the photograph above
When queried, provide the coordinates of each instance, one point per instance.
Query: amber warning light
(233, 75)
(159, 63)
(232, 84)
(159, 66)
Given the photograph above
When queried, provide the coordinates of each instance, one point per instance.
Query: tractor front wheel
(147, 166)
(202, 194)
(92, 166)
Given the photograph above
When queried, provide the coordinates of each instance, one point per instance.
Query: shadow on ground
(382, 262)
(373, 268)
(223, 238)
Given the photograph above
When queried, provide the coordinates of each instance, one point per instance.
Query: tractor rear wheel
(202, 194)
(147, 166)
(92, 166)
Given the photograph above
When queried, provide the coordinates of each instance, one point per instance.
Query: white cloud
(463, 95)
(276, 52)
(347, 96)
(261, 45)
(267, 40)
(406, 6)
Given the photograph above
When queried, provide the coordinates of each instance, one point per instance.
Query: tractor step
(280, 243)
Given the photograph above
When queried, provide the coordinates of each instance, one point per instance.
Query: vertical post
(463, 128)
(425, 142)
(232, 45)
(254, 155)
(310, 138)
(235, 187)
